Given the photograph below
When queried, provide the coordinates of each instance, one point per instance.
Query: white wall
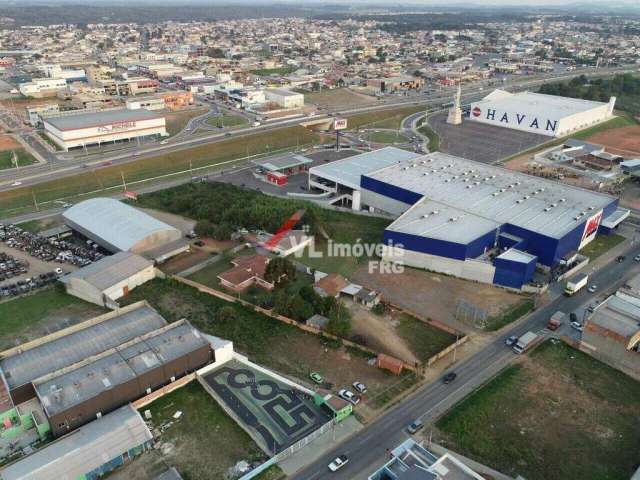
(468, 269)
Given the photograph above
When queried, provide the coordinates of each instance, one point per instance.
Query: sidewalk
(320, 446)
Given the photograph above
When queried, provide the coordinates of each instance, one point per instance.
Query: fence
(289, 450)
(446, 351)
(281, 318)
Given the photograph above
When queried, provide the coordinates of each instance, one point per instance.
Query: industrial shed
(87, 453)
(99, 384)
(118, 227)
(110, 278)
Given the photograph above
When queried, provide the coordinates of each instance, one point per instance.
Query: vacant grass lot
(600, 245)
(423, 339)
(559, 415)
(7, 159)
(177, 121)
(387, 136)
(391, 118)
(25, 318)
(205, 442)
(227, 120)
(100, 178)
(514, 313)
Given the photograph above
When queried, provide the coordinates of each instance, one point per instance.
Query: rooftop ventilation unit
(476, 183)
(455, 177)
(447, 180)
(425, 174)
(592, 207)
(547, 209)
(465, 180)
(526, 197)
(426, 215)
(519, 200)
(469, 186)
(495, 194)
(453, 219)
(493, 176)
(502, 190)
(554, 205)
(434, 212)
(562, 200)
(405, 168)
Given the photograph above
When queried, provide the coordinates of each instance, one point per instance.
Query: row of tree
(625, 87)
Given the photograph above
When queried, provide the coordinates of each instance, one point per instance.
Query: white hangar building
(118, 227)
(83, 129)
(539, 113)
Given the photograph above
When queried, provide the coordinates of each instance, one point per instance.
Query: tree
(279, 271)
(215, 52)
(299, 309)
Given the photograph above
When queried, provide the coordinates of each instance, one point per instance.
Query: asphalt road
(367, 449)
(60, 165)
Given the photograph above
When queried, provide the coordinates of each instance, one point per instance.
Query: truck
(525, 342)
(556, 320)
(576, 283)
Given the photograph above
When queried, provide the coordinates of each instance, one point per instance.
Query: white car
(16, 184)
(577, 325)
(349, 396)
(338, 462)
(360, 387)
(636, 258)
(592, 289)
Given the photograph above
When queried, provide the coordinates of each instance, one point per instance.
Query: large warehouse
(539, 113)
(84, 129)
(118, 227)
(478, 221)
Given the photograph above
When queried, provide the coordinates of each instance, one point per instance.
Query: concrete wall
(610, 351)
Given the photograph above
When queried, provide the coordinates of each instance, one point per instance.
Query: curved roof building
(119, 227)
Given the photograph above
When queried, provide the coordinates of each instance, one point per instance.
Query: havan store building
(539, 113)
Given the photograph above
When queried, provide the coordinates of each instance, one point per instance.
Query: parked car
(577, 325)
(349, 396)
(415, 426)
(636, 258)
(449, 377)
(511, 341)
(338, 462)
(592, 288)
(316, 377)
(360, 387)
(573, 317)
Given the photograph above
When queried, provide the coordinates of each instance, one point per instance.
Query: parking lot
(29, 261)
(480, 142)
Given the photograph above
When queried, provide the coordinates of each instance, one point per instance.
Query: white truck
(576, 283)
(525, 342)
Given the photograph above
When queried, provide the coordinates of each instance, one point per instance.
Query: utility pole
(124, 184)
(35, 202)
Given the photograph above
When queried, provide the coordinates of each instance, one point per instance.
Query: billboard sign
(340, 124)
(115, 127)
(520, 120)
(590, 229)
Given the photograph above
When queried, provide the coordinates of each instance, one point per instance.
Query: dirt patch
(379, 333)
(436, 296)
(622, 141)
(183, 261)
(7, 142)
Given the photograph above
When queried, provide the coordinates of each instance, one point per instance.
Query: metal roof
(538, 104)
(115, 225)
(515, 255)
(110, 270)
(84, 449)
(617, 315)
(98, 119)
(290, 160)
(349, 170)
(71, 386)
(480, 195)
(27, 362)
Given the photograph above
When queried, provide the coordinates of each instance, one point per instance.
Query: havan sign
(590, 229)
(117, 127)
(520, 119)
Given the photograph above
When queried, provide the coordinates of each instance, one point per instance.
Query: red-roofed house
(247, 271)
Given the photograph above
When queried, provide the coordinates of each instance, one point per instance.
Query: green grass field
(7, 158)
(206, 442)
(386, 136)
(424, 340)
(517, 311)
(600, 245)
(20, 318)
(434, 139)
(391, 118)
(559, 415)
(227, 121)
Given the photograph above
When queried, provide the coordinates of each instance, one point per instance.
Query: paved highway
(367, 449)
(57, 167)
